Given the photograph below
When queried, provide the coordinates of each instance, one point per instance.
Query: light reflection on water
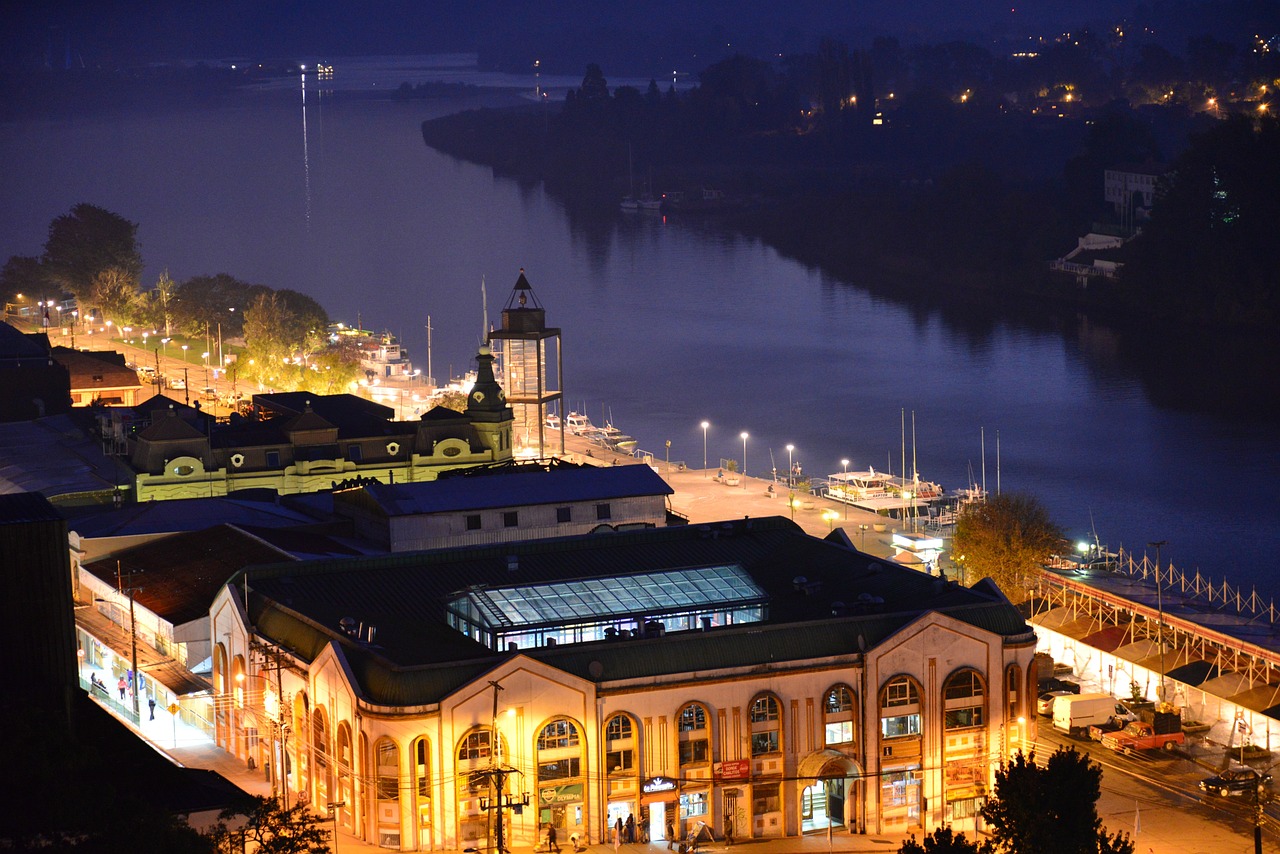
(665, 324)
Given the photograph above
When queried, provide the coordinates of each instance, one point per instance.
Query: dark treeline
(936, 168)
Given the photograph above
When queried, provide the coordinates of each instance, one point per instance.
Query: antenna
(484, 307)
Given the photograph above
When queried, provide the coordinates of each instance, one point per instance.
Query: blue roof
(504, 489)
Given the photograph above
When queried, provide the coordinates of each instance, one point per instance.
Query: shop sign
(658, 784)
(567, 794)
(735, 769)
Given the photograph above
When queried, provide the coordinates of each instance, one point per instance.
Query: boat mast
(982, 434)
(997, 462)
(430, 376)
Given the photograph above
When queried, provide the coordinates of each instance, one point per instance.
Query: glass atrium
(590, 609)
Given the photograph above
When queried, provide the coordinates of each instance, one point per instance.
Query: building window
(388, 769)
(695, 740)
(838, 713)
(900, 708)
(476, 745)
(603, 512)
(422, 769)
(764, 709)
(558, 734)
(564, 514)
(619, 744)
(273, 459)
(473, 521)
(354, 453)
(765, 798)
(964, 695)
(766, 716)
(511, 518)
(764, 742)
(694, 803)
(559, 769)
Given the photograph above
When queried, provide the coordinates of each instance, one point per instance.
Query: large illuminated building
(739, 675)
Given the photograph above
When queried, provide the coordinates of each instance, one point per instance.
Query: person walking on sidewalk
(151, 704)
(671, 834)
(552, 845)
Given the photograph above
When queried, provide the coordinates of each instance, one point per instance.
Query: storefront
(658, 800)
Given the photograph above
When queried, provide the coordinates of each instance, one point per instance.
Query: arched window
(620, 745)
(965, 696)
(900, 708)
(766, 725)
(561, 774)
(387, 769)
(1013, 692)
(695, 735)
(422, 783)
(477, 744)
(839, 717)
(558, 734)
(320, 749)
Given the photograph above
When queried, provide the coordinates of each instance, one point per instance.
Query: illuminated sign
(658, 784)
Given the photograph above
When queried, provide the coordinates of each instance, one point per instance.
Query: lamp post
(184, 351)
(862, 529)
(1160, 611)
(744, 459)
(844, 467)
(791, 466)
(705, 425)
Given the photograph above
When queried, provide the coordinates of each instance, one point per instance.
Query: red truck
(1163, 731)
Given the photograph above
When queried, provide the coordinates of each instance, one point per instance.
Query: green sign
(569, 794)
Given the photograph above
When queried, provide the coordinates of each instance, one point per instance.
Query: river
(665, 323)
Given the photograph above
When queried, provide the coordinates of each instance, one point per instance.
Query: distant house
(1130, 189)
(482, 506)
(99, 377)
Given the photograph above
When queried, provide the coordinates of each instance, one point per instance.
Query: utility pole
(497, 774)
(430, 376)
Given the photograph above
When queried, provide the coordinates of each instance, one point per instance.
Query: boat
(552, 421)
(578, 424)
(875, 491)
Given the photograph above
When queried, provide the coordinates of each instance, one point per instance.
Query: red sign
(735, 769)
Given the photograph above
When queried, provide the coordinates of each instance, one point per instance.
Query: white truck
(1075, 713)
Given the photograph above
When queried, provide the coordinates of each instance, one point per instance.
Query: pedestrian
(617, 833)
(631, 829)
(151, 704)
(671, 833)
(728, 832)
(552, 845)
(122, 685)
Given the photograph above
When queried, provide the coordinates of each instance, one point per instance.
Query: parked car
(1236, 781)
(209, 393)
(1044, 704)
(177, 382)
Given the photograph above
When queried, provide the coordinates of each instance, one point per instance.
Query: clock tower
(532, 369)
(488, 410)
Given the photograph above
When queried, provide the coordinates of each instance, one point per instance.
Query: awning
(817, 765)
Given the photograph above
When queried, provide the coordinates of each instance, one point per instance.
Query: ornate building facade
(741, 676)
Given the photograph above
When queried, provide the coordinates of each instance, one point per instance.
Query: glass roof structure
(676, 598)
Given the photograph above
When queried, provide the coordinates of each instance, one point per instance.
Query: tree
(942, 841)
(1007, 538)
(22, 275)
(114, 291)
(274, 829)
(1050, 810)
(87, 241)
(594, 86)
(161, 306)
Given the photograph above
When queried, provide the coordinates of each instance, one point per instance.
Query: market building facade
(738, 678)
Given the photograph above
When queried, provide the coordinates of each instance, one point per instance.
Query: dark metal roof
(543, 486)
(177, 577)
(822, 597)
(22, 507)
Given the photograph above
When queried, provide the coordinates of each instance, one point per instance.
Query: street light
(184, 351)
(844, 466)
(744, 459)
(705, 425)
(791, 467)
